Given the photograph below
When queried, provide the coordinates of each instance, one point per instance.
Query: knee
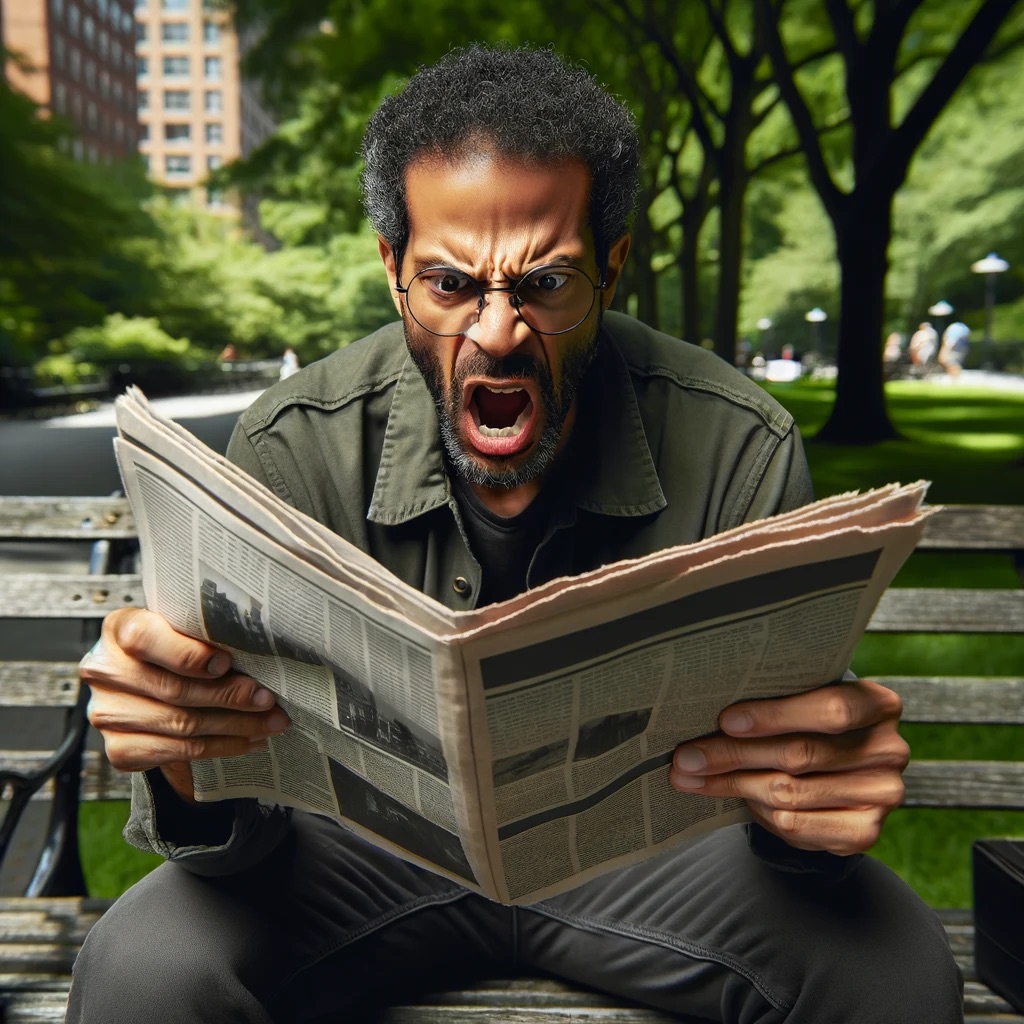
(159, 946)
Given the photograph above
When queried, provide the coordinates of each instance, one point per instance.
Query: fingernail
(262, 698)
(691, 759)
(277, 722)
(219, 664)
(737, 721)
(688, 781)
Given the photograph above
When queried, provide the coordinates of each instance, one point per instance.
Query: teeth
(502, 391)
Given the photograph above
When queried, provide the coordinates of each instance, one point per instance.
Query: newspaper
(524, 747)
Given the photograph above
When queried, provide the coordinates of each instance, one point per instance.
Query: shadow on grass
(968, 441)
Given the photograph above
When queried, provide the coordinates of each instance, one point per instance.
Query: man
(508, 432)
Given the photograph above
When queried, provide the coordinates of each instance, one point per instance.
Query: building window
(211, 68)
(141, 67)
(214, 162)
(174, 5)
(104, 43)
(76, 65)
(175, 66)
(143, 133)
(74, 21)
(91, 116)
(211, 32)
(213, 101)
(144, 159)
(177, 132)
(119, 130)
(215, 132)
(105, 84)
(101, 6)
(174, 32)
(178, 166)
(118, 92)
(89, 30)
(78, 149)
(177, 99)
(141, 32)
(143, 99)
(115, 52)
(60, 51)
(90, 74)
(60, 98)
(57, 8)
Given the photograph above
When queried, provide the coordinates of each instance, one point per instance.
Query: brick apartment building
(77, 60)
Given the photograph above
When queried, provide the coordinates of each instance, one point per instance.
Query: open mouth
(499, 418)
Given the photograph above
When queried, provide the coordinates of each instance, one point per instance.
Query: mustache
(514, 366)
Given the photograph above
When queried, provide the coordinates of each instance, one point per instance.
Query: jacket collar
(616, 475)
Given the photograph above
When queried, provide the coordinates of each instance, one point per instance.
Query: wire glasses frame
(551, 299)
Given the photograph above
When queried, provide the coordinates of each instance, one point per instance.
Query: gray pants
(329, 927)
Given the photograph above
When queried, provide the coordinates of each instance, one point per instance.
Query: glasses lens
(553, 300)
(443, 300)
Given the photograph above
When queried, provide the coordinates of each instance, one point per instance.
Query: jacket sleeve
(207, 839)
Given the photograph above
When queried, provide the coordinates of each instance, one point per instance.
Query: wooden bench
(40, 933)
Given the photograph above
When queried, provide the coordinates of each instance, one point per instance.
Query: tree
(937, 42)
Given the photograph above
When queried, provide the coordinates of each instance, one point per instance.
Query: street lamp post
(940, 310)
(816, 317)
(991, 267)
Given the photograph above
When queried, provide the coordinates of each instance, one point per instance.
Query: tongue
(502, 409)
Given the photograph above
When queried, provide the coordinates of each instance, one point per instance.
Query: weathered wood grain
(35, 518)
(71, 596)
(993, 785)
(982, 700)
(975, 528)
(29, 684)
(947, 610)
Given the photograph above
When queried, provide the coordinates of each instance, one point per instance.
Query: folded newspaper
(524, 747)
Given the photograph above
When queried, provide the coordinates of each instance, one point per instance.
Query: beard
(556, 401)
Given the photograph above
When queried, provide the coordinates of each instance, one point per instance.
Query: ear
(387, 255)
(616, 259)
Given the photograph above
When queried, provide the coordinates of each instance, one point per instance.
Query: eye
(550, 280)
(444, 282)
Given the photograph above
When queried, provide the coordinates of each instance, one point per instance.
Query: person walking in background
(956, 340)
(923, 343)
(289, 363)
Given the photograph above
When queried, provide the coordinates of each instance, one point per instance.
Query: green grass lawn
(970, 443)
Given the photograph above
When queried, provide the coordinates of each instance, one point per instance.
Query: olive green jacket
(670, 445)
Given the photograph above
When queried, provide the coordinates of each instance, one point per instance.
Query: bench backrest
(108, 524)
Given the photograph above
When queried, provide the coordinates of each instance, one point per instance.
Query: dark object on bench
(40, 933)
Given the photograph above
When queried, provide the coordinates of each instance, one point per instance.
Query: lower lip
(496, 447)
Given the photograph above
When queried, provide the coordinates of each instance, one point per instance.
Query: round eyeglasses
(552, 299)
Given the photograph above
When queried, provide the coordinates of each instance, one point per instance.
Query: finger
(113, 711)
(780, 791)
(880, 747)
(840, 832)
(148, 637)
(138, 752)
(235, 691)
(837, 708)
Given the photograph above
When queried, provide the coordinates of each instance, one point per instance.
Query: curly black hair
(524, 102)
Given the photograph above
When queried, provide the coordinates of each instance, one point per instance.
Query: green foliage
(121, 339)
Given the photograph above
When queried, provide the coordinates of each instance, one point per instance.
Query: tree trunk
(859, 415)
(688, 262)
(730, 259)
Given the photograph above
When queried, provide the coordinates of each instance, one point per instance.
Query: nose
(498, 330)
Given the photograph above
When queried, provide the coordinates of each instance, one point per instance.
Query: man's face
(505, 393)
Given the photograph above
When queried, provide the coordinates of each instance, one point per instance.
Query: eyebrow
(561, 259)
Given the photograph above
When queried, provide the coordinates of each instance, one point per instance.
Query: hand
(161, 699)
(822, 770)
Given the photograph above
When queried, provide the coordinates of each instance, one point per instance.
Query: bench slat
(947, 610)
(992, 785)
(975, 528)
(981, 700)
(29, 684)
(35, 518)
(68, 596)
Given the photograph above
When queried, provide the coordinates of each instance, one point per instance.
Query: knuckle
(193, 749)
(193, 659)
(129, 630)
(839, 714)
(184, 723)
(783, 792)
(787, 824)
(171, 688)
(798, 756)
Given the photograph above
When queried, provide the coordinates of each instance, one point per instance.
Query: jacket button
(460, 585)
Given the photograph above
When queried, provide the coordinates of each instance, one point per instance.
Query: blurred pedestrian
(289, 363)
(923, 344)
(956, 340)
(228, 354)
